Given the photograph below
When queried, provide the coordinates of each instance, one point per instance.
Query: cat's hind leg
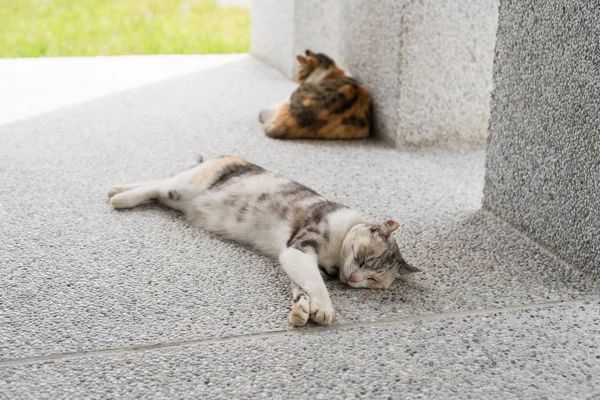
(266, 116)
(300, 306)
(173, 192)
(132, 195)
(278, 122)
(123, 188)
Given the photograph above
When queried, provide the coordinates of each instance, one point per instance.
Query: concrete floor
(30, 87)
(96, 303)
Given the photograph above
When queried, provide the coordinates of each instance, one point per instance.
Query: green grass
(42, 28)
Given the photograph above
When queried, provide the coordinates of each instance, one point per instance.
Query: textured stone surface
(428, 63)
(531, 354)
(29, 88)
(77, 275)
(372, 50)
(318, 27)
(446, 59)
(273, 32)
(543, 169)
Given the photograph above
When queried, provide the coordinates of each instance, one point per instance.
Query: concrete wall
(372, 50)
(318, 26)
(273, 32)
(446, 64)
(428, 63)
(543, 162)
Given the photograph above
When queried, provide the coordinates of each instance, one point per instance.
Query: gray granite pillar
(543, 160)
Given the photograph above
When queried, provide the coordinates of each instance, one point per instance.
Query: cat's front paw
(321, 310)
(300, 311)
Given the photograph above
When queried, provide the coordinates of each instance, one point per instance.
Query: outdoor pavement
(97, 303)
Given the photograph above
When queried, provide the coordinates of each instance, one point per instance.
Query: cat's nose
(354, 277)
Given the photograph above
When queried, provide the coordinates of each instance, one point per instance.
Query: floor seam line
(306, 331)
(573, 270)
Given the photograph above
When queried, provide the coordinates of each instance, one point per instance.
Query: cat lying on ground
(328, 104)
(241, 201)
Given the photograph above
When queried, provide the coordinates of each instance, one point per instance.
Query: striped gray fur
(312, 231)
(234, 171)
(304, 210)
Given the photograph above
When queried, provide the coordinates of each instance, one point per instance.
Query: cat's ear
(385, 229)
(301, 60)
(391, 225)
(405, 268)
(309, 53)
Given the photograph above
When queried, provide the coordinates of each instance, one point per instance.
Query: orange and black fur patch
(328, 104)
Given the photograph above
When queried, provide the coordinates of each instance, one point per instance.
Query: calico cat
(241, 201)
(328, 104)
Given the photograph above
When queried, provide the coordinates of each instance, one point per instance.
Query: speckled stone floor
(96, 303)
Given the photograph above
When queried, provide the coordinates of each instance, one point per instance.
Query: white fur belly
(235, 214)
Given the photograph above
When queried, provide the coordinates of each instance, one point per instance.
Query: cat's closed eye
(360, 260)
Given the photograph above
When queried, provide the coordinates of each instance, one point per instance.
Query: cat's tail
(193, 163)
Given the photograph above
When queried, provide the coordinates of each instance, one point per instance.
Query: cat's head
(315, 65)
(372, 257)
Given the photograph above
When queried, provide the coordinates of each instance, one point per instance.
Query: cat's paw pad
(300, 311)
(321, 312)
